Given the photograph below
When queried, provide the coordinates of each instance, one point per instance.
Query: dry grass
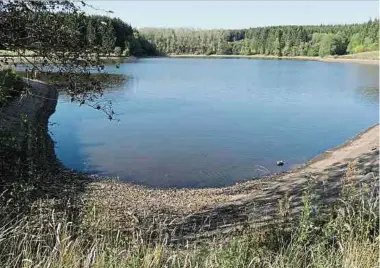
(347, 237)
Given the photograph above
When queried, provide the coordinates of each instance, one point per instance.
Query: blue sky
(237, 14)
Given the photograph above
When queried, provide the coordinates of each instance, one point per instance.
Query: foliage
(11, 85)
(117, 34)
(274, 40)
(332, 44)
(62, 40)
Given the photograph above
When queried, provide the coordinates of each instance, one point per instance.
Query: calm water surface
(212, 122)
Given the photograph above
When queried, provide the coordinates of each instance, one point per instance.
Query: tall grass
(345, 237)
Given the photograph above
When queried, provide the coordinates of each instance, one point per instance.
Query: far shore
(361, 58)
(343, 58)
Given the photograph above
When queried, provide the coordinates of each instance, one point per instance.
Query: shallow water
(212, 122)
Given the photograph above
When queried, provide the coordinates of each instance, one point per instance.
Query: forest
(319, 40)
(115, 36)
(108, 35)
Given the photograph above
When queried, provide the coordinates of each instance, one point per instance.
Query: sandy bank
(324, 59)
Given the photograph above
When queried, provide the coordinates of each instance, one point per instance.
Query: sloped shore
(255, 203)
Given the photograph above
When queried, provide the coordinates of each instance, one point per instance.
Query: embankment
(32, 180)
(24, 125)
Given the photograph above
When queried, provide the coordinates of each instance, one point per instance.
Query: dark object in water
(280, 163)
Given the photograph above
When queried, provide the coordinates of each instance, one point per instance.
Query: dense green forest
(109, 35)
(116, 36)
(112, 35)
(319, 40)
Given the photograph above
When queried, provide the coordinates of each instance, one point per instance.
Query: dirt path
(188, 211)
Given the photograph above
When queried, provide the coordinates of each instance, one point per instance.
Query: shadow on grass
(30, 175)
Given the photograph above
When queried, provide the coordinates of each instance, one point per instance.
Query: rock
(280, 163)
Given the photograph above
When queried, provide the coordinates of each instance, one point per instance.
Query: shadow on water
(369, 89)
(369, 93)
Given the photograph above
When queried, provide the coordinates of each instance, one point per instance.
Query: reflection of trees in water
(368, 75)
(369, 93)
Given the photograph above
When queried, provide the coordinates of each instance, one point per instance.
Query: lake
(214, 122)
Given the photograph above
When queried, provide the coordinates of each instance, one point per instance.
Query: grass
(370, 55)
(347, 236)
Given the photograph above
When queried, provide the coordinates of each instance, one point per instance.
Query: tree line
(115, 36)
(108, 35)
(319, 40)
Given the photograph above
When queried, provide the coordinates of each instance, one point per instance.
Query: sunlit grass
(370, 55)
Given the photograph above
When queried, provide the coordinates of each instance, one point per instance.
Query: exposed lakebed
(212, 122)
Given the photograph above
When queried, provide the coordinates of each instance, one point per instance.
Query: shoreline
(307, 164)
(327, 153)
(342, 59)
(254, 202)
(133, 59)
